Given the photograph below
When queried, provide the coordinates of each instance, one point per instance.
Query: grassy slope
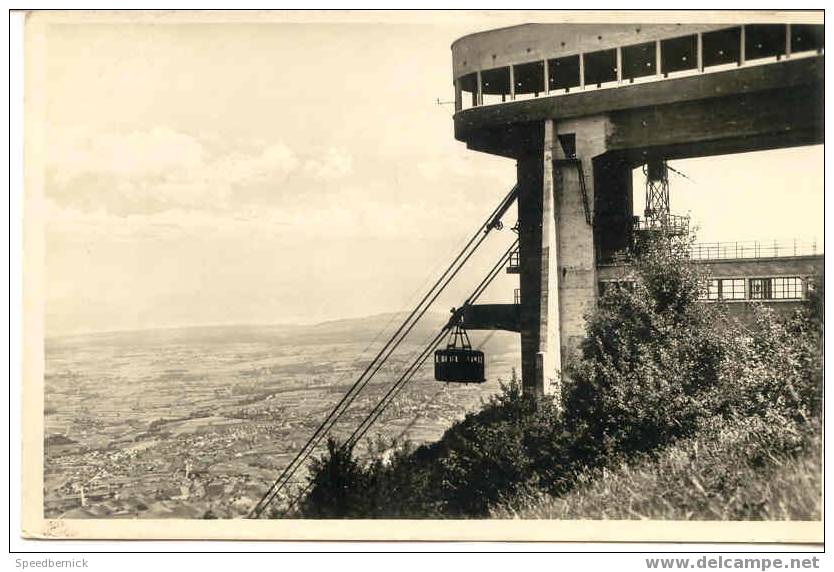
(731, 473)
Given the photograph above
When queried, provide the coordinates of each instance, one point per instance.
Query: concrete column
(557, 266)
(577, 247)
(512, 83)
(581, 71)
(458, 96)
(480, 89)
(538, 266)
(530, 244)
(549, 354)
(619, 65)
(546, 77)
(787, 41)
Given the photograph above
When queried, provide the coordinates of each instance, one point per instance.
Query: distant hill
(348, 330)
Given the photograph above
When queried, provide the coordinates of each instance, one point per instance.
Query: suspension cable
(374, 414)
(343, 406)
(410, 371)
(493, 221)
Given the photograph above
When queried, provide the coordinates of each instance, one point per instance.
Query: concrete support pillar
(557, 265)
(512, 83)
(549, 354)
(546, 77)
(787, 41)
(577, 247)
(530, 176)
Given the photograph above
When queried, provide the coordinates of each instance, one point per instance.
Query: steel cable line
(493, 221)
(333, 419)
(337, 413)
(409, 373)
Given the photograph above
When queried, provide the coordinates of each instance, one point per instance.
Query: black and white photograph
(446, 275)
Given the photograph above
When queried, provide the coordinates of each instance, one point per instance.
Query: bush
(337, 484)
(650, 361)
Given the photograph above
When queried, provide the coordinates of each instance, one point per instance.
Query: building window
(712, 290)
(732, 289)
(726, 289)
(761, 289)
(781, 288)
(787, 288)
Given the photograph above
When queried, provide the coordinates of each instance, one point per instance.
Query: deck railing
(740, 249)
(704, 52)
(753, 249)
(514, 263)
(674, 224)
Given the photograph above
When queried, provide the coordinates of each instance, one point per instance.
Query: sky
(281, 173)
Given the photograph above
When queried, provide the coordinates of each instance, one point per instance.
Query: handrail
(752, 249)
(740, 249)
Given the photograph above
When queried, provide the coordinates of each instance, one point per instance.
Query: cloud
(156, 152)
(160, 169)
(332, 164)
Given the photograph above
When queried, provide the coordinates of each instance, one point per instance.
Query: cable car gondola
(459, 363)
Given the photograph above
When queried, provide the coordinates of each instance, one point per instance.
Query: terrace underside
(742, 110)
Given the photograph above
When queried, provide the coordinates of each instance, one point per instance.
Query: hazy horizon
(434, 312)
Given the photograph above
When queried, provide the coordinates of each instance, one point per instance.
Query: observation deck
(527, 73)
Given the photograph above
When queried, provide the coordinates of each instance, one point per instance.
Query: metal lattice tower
(657, 191)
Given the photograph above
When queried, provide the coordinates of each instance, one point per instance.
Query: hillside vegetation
(671, 410)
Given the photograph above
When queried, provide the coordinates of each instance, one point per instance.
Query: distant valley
(196, 422)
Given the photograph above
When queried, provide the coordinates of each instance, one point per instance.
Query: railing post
(657, 58)
(512, 82)
(741, 51)
(699, 52)
(546, 77)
